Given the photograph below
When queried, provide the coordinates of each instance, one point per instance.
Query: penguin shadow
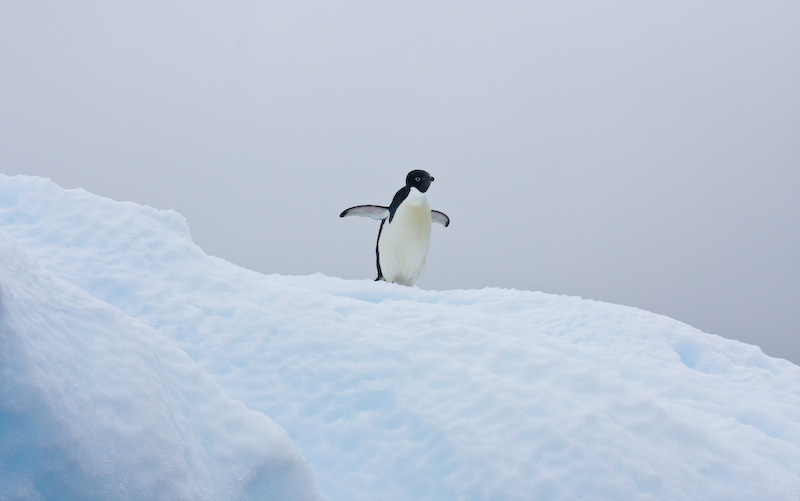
(378, 292)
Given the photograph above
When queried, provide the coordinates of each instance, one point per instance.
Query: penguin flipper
(372, 211)
(440, 217)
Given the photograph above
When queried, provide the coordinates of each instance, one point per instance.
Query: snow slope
(96, 405)
(126, 351)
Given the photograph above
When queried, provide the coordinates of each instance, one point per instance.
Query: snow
(135, 366)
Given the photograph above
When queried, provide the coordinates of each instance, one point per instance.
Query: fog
(647, 155)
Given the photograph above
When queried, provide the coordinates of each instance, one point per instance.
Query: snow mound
(389, 392)
(96, 405)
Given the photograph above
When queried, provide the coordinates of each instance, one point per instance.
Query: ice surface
(126, 350)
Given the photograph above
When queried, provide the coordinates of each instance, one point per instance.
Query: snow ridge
(388, 392)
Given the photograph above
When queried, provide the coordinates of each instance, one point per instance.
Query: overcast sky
(639, 153)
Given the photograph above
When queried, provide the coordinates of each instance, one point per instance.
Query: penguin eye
(417, 179)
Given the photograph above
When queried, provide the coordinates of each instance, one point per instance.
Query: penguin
(405, 230)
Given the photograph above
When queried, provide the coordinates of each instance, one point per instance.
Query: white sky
(643, 154)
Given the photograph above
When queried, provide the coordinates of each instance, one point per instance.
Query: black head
(419, 179)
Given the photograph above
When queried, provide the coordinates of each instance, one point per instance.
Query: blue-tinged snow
(97, 405)
(136, 365)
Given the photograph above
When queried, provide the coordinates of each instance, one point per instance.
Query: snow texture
(136, 366)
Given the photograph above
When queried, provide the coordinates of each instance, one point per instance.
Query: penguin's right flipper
(372, 211)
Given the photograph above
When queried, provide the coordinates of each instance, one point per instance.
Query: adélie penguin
(405, 230)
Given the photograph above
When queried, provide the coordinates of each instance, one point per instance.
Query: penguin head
(419, 179)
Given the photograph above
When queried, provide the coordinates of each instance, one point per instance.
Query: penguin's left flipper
(373, 211)
(440, 217)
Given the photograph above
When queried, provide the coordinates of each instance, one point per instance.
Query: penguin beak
(431, 178)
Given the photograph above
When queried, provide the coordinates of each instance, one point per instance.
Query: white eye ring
(417, 179)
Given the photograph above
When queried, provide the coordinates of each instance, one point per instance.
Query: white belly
(403, 244)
